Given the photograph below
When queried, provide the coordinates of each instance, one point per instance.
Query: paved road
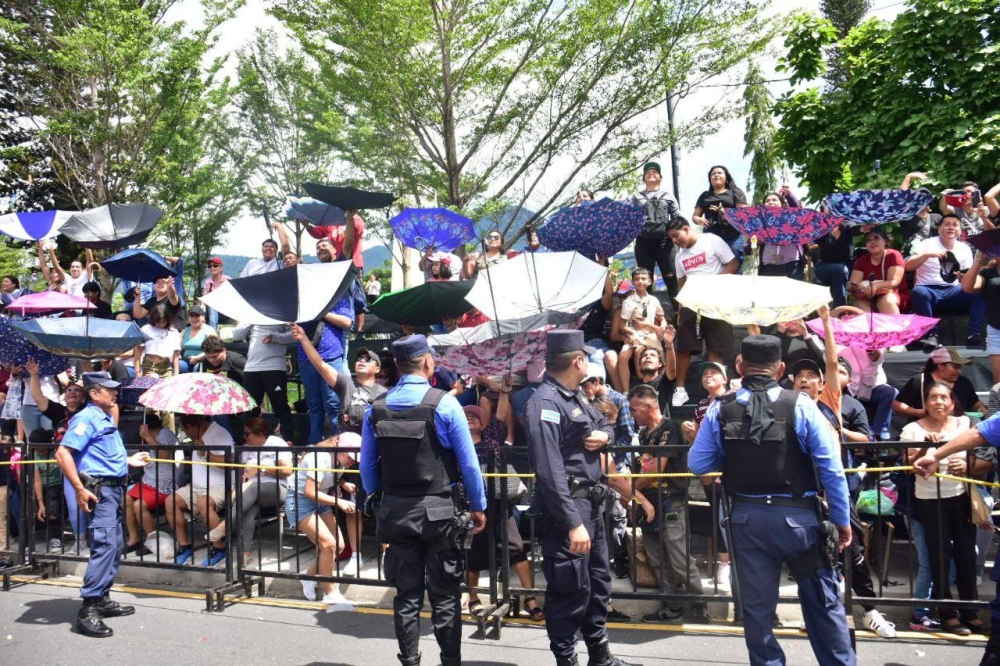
(35, 625)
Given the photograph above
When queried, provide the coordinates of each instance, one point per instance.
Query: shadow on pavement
(50, 612)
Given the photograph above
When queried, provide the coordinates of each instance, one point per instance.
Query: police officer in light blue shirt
(986, 433)
(93, 459)
(771, 445)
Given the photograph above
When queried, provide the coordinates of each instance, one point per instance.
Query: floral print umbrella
(198, 393)
(776, 225)
(878, 206)
(439, 228)
(468, 354)
(876, 330)
(751, 299)
(16, 350)
(600, 228)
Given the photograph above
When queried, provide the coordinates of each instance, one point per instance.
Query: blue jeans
(212, 319)
(834, 276)
(881, 400)
(737, 245)
(322, 401)
(922, 585)
(601, 347)
(933, 300)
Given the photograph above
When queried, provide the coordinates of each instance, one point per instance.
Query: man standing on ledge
(415, 445)
(92, 456)
(769, 444)
(566, 435)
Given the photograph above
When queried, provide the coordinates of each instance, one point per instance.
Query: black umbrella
(349, 198)
(113, 226)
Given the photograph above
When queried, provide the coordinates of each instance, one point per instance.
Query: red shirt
(338, 237)
(473, 318)
(891, 258)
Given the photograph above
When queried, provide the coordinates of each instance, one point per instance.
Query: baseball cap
(595, 371)
(807, 364)
(702, 367)
(364, 351)
(215, 260)
(946, 355)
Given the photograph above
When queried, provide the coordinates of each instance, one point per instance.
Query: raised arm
(990, 199)
(829, 349)
(36, 385)
(279, 229)
(910, 177)
(55, 263)
(328, 374)
(972, 281)
(43, 261)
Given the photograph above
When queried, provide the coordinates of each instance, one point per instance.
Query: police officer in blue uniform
(986, 433)
(415, 445)
(771, 445)
(92, 457)
(565, 438)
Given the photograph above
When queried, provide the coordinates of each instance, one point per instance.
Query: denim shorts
(298, 507)
(992, 340)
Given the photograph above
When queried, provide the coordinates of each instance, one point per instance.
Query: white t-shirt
(258, 266)
(48, 384)
(929, 272)
(252, 456)
(74, 286)
(928, 488)
(203, 477)
(161, 342)
(632, 308)
(708, 256)
(317, 460)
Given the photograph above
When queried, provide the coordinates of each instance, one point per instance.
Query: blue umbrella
(16, 349)
(138, 265)
(439, 228)
(878, 206)
(33, 226)
(314, 212)
(600, 228)
(81, 337)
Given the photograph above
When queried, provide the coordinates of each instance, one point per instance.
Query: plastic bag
(162, 545)
(875, 503)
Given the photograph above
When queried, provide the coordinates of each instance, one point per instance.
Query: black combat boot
(451, 661)
(600, 655)
(108, 608)
(89, 622)
(567, 661)
(409, 661)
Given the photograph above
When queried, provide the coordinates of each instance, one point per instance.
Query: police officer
(415, 446)
(766, 441)
(92, 457)
(565, 437)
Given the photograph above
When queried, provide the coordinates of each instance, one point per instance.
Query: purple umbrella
(878, 206)
(987, 242)
(601, 228)
(876, 330)
(129, 392)
(46, 302)
(439, 228)
(776, 225)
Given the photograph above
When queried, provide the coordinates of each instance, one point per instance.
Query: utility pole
(674, 155)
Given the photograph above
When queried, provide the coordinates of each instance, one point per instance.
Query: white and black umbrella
(113, 226)
(301, 293)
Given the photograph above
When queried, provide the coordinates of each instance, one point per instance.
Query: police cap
(91, 379)
(560, 341)
(761, 349)
(410, 347)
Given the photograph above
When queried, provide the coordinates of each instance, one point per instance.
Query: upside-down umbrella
(439, 228)
(81, 337)
(314, 212)
(876, 330)
(534, 289)
(600, 228)
(349, 198)
(878, 206)
(198, 393)
(138, 265)
(988, 242)
(777, 225)
(476, 351)
(751, 299)
(113, 226)
(300, 293)
(424, 305)
(35, 225)
(131, 389)
(16, 350)
(47, 302)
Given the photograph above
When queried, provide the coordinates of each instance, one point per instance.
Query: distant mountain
(377, 255)
(232, 265)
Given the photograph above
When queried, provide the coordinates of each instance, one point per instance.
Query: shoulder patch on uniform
(576, 412)
(551, 416)
(80, 429)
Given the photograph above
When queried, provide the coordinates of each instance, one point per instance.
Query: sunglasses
(212, 264)
(365, 359)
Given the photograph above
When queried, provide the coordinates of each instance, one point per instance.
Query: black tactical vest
(777, 465)
(412, 461)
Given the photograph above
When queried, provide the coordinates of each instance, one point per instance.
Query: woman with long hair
(709, 211)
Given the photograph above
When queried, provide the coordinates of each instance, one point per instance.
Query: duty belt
(770, 500)
(597, 493)
(112, 481)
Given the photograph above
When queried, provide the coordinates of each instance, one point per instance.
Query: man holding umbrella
(92, 457)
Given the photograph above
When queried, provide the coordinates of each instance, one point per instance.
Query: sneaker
(620, 567)
(215, 556)
(185, 556)
(924, 623)
(615, 615)
(665, 614)
(336, 602)
(977, 341)
(55, 546)
(309, 589)
(897, 349)
(680, 397)
(217, 534)
(352, 567)
(877, 623)
(930, 342)
(722, 574)
(699, 615)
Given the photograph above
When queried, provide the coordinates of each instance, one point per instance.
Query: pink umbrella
(49, 301)
(876, 330)
(469, 354)
(198, 393)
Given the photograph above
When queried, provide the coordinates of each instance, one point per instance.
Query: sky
(724, 147)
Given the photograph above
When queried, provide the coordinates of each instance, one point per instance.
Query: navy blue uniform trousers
(578, 585)
(765, 537)
(107, 542)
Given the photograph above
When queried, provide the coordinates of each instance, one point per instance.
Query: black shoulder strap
(433, 397)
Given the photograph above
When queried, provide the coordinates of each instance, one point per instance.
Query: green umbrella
(424, 305)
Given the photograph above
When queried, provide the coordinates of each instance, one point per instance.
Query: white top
(929, 272)
(217, 441)
(319, 460)
(632, 308)
(708, 256)
(928, 488)
(161, 341)
(252, 456)
(258, 266)
(865, 374)
(48, 384)
(373, 287)
(74, 286)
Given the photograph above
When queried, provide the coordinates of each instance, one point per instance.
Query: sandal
(534, 612)
(476, 608)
